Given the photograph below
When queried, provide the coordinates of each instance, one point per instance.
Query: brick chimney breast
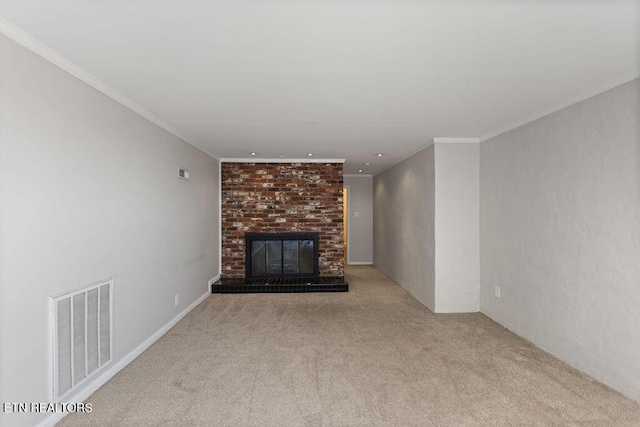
(279, 198)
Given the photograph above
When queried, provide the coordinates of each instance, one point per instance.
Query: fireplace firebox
(281, 255)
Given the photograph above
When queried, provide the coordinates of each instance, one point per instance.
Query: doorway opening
(345, 231)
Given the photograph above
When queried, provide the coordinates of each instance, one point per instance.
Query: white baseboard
(360, 263)
(212, 281)
(100, 380)
(626, 388)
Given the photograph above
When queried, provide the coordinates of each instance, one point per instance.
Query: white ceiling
(341, 79)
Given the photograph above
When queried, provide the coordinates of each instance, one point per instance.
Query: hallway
(373, 356)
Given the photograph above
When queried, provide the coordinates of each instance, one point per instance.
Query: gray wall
(560, 234)
(89, 190)
(457, 235)
(360, 229)
(403, 225)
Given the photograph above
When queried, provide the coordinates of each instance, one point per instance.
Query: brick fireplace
(282, 198)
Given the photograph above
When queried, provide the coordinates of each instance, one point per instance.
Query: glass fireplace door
(282, 257)
(290, 257)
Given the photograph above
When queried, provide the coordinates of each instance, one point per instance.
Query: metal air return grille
(82, 335)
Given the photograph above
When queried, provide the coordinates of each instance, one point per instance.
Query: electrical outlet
(497, 292)
(177, 299)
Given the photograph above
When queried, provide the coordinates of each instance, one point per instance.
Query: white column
(457, 245)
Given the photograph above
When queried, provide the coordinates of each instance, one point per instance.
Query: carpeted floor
(373, 356)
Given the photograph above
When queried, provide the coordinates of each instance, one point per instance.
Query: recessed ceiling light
(253, 154)
(310, 154)
(359, 170)
(379, 154)
(366, 164)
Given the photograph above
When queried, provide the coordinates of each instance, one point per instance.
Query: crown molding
(28, 41)
(278, 160)
(456, 140)
(626, 78)
(357, 175)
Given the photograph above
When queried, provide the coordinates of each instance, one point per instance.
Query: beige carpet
(373, 356)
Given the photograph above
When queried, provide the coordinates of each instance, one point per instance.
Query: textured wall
(457, 234)
(403, 225)
(360, 228)
(282, 197)
(560, 234)
(89, 190)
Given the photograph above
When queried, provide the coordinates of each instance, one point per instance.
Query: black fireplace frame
(250, 237)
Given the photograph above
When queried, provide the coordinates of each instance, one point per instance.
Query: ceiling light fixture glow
(379, 154)
(253, 154)
(359, 170)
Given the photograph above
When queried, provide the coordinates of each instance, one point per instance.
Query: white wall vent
(82, 335)
(183, 173)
